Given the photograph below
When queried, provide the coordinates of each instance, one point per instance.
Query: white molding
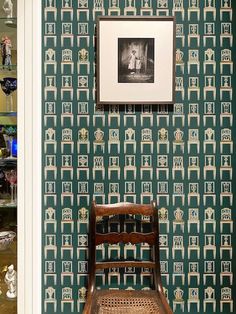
(29, 156)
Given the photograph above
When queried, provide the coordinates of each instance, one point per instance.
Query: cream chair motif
(114, 7)
(193, 60)
(209, 298)
(178, 7)
(226, 86)
(83, 139)
(67, 33)
(226, 245)
(178, 214)
(67, 8)
(114, 139)
(193, 7)
(226, 7)
(67, 219)
(209, 192)
(193, 245)
(193, 34)
(163, 217)
(50, 218)
(67, 60)
(178, 140)
(146, 139)
(226, 140)
(146, 7)
(209, 245)
(178, 300)
(67, 140)
(179, 59)
(209, 166)
(178, 245)
(210, 7)
(193, 271)
(209, 218)
(178, 165)
(193, 166)
(67, 271)
(98, 166)
(178, 271)
(67, 298)
(209, 59)
(50, 7)
(226, 219)
(130, 8)
(162, 8)
(178, 113)
(226, 112)
(209, 271)
(50, 298)
(226, 298)
(209, 34)
(163, 139)
(209, 139)
(50, 86)
(193, 218)
(193, 294)
(50, 59)
(226, 60)
(226, 272)
(130, 140)
(226, 33)
(193, 87)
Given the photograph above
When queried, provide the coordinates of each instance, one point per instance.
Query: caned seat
(125, 301)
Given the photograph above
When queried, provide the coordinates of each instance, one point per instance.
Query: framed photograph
(135, 60)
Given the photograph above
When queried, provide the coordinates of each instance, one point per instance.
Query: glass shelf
(6, 72)
(7, 205)
(8, 114)
(11, 23)
(3, 18)
(8, 120)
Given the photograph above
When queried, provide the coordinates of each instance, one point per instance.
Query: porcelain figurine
(8, 8)
(11, 281)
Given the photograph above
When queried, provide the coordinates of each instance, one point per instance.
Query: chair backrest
(151, 238)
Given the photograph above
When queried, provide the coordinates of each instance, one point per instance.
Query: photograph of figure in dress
(136, 60)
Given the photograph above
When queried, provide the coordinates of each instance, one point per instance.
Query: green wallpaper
(186, 164)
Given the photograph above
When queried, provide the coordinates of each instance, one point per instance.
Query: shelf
(6, 72)
(8, 120)
(9, 23)
(2, 18)
(8, 114)
(7, 205)
(8, 163)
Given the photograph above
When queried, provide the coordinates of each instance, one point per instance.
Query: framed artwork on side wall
(135, 60)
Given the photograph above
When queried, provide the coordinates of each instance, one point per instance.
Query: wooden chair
(125, 301)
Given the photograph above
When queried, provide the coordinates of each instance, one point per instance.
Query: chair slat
(123, 208)
(124, 237)
(119, 264)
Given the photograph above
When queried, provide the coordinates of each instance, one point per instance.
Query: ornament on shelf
(9, 85)
(8, 8)
(11, 281)
(6, 46)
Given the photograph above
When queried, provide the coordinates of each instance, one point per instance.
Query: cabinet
(8, 152)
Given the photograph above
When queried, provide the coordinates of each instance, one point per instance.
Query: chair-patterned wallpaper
(182, 157)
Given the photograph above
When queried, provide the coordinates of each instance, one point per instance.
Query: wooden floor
(7, 258)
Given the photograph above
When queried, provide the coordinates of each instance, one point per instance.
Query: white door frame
(29, 156)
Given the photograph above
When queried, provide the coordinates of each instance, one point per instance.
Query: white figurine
(8, 8)
(10, 280)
